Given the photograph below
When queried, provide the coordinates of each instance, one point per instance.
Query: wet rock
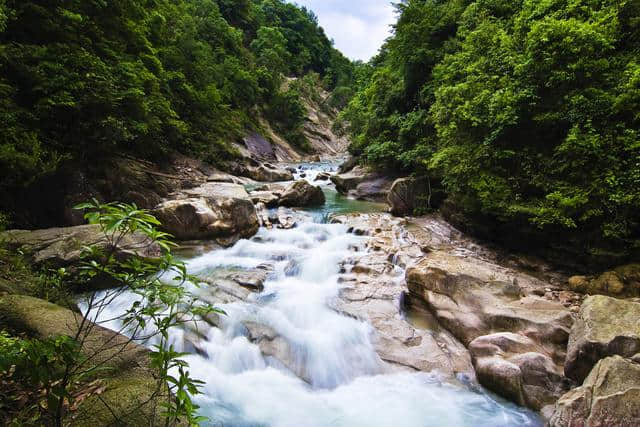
(346, 182)
(292, 268)
(302, 194)
(251, 279)
(269, 199)
(609, 396)
(516, 367)
(61, 247)
(223, 291)
(372, 291)
(221, 177)
(223, 212)
(287, 218)
(604, 327)
(264, 174)
(263, 216)
(323, 176)
(272, 344)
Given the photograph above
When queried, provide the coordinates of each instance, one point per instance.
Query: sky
(358, 27)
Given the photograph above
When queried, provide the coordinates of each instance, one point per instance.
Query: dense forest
(83, 78)
(526, 111)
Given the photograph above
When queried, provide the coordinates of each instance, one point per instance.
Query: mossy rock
(129, 395)
(623, 281)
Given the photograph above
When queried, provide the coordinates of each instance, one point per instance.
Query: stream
(321, 368)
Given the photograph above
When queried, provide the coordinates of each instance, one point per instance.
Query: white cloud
(358, 27)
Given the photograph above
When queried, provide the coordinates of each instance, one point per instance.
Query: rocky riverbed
(356, 316)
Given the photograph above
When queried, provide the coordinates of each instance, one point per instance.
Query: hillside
(149, 79)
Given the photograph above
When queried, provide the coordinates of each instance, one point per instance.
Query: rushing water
(332, 375)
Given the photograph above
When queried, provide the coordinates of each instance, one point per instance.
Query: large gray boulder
(609, 396)
(302, 194)
(263, 173)
(220, 211)
(605, 327)
(348, 181)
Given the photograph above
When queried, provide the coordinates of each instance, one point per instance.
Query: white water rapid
(327, 372)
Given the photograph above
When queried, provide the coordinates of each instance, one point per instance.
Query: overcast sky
(358, 27)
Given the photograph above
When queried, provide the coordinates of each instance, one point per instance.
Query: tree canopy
(527, 110)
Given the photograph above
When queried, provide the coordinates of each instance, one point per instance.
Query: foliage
(527, 110)
(288, 113)
(18, 276)
(30, 373)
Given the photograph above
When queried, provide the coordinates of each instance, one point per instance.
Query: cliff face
(268, 145)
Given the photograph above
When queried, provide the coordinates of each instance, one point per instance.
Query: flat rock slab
(64, 246)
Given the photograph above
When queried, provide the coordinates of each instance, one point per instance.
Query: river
(332, 375)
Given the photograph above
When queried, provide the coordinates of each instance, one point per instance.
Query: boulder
(516, 367)
(269, 198)
(623, 281)
(128, 396)
(228, 178)
(221, 177)
(604, 327)
(407, 194)
(265, 174)
(287, 218)
(370, 290)
(348, 164)
(263, 216)
(217, 211)
(362, 184)
(323, 176)
(60, 247)
(348, 181)
(609, 396)
(302, 194)
(219, 190)
(273, 345)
